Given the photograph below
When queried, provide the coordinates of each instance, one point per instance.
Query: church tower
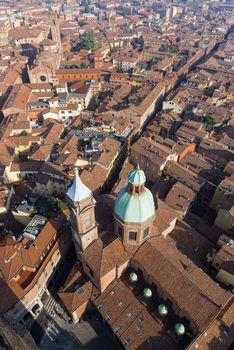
(83, 223)
(56, 35)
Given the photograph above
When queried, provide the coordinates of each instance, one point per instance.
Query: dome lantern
(137, 177)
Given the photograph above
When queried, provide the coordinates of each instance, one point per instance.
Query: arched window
(132, 236)
(88, 223)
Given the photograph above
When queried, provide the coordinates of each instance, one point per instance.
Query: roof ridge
(181, 273)
(101, 260)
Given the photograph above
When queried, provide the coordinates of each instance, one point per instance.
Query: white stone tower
(83, 223)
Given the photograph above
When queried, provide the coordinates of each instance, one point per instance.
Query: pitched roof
(77, 289)
(18, 97)
(78, 191)
(200, 298)
(102, 256)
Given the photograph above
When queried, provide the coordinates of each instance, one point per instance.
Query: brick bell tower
(56, 35)
(81, 204)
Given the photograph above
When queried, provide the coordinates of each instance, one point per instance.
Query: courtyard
(56, 334)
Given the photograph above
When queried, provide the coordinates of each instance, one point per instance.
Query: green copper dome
(133, 277)
(179, 328)
(137, 177)
(162, 309)
(134, 208)
(135, 203)
(147, 293)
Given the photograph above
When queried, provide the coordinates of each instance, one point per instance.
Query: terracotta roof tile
(103, 258)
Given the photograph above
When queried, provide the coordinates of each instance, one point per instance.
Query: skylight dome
(147, 293)
(179, 328)
(162, 309)
(133, 277)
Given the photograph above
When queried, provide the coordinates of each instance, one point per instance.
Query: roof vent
(230, 242)
(109, 317)
(126, 342)
(100, 306)
(117, 329)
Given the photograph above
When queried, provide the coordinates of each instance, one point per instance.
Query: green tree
(142, 43)
(126, 11)
(162, 48)
(82, 23)
(210, 123)
(88, 41)
(83, 65)
(61, 205)
(168, 48)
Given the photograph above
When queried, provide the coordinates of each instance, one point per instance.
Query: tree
(83, 65)
(88, 41)
(84, 3)
(82, 23)
(142, 43)
(162, 47)
(126, 11)
(61, 205)
(210, 123)
(168, 48)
